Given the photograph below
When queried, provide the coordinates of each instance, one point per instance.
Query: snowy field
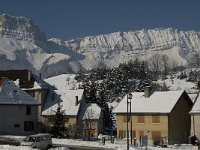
(117, 145)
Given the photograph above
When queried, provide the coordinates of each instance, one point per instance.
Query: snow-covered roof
(11, 94)
(89, 111)
(67, 99)
(158, 102)
(196, 107)
(193, 96)
(38, 84)
(41, 84)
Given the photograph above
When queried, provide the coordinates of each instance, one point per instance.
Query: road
(81, 147)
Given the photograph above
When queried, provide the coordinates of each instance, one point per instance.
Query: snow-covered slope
(119, 47)
(24, 46)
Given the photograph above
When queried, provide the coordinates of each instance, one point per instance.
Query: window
(16, 125)
(28, 126)
(125, 118)
(123, 134)
(120, 134)
(66, 119)
(156, 135)
(92, 133)
(28, 110)
(140, 119)
(141, 133)
(32, 93)
(155, 119)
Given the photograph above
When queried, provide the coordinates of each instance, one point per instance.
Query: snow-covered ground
(117, 145)
(67, 82)
(178, 84)
(64, 82)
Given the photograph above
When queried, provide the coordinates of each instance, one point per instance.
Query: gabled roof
(67, 99)
(158, 102)
(89, 111)
(13, 95)
(37, 83)
(196, 107)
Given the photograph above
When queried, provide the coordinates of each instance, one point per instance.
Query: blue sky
(67, 19)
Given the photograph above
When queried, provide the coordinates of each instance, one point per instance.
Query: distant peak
(19, 27)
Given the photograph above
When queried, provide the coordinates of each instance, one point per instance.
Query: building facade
(18, 110)
(163, 117)
(195, 119)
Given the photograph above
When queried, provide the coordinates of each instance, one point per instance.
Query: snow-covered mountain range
(121, 46)
(24, 46)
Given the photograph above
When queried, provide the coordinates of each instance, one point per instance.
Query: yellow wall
(195, 125)
(72, 120)
(94, 126)
(147, 126)
(175, 126)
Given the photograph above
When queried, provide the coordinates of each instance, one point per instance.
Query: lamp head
(129, 96)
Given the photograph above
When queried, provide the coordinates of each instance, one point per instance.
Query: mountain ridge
(24, 46)
(138, 43)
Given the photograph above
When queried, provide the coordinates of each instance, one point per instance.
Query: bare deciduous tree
(165, 63)
(173, 65)
(88, 122)
(195, 60)
(155, 63)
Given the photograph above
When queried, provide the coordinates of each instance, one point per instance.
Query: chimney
(147, 91)
(76, 101)
(29, 75)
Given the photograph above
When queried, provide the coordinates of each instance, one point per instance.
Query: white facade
(14, 118)
(18, 110)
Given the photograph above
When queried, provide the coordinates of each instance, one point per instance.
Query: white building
(18, 110)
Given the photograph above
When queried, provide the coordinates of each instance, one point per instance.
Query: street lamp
(129, 97)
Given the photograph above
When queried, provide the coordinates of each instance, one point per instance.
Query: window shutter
(125, 118)
(156, 135)
(141, 133)
(140, 119)
(155, 119)
(120, 134)
(133, 134)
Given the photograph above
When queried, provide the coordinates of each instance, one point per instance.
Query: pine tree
(58, 123)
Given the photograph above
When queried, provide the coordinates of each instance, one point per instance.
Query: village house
(90, 123)
(69, 100)
(76, 111)
(32, 84)
(18, 110)
(162, 116)
(29, 82)
(195, 120)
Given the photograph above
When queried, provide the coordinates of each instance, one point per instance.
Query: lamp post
(129, 97)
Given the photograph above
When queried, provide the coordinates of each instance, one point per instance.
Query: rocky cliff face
(20, 28)
(24, 46)
(156, 39)
(121, 46)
